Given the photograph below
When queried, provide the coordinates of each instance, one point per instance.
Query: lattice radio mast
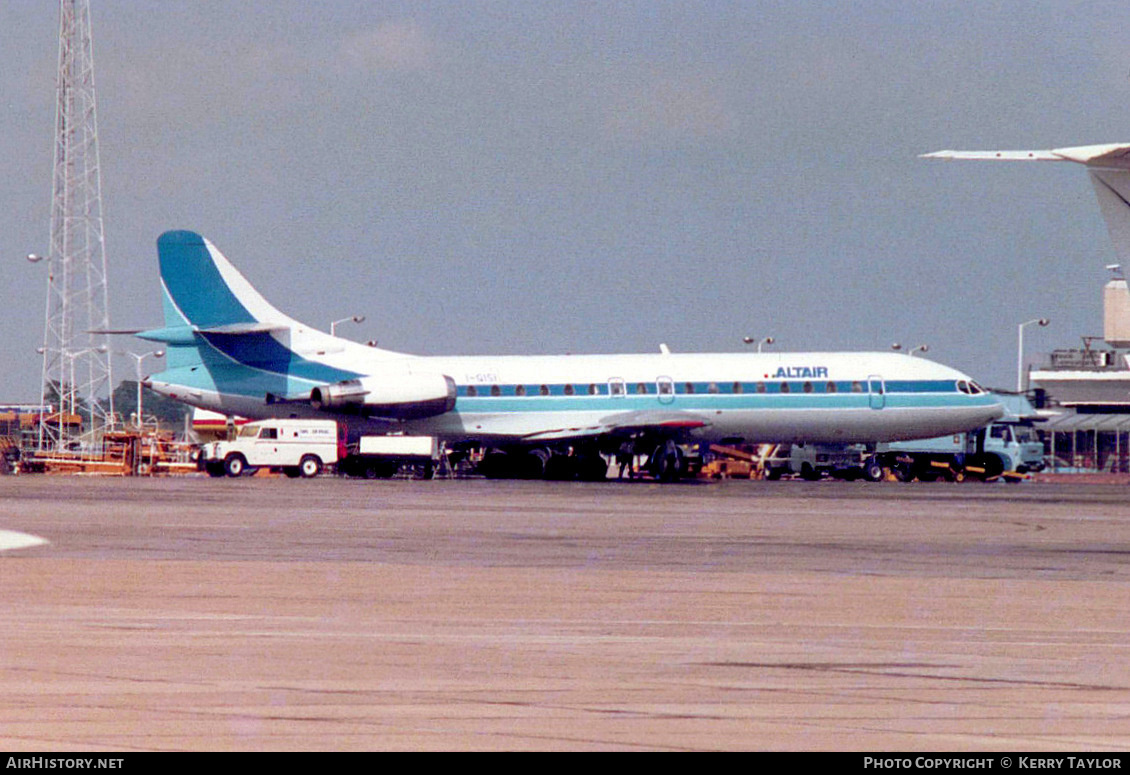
(76, 362)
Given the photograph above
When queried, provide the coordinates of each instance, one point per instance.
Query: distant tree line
(170, 414)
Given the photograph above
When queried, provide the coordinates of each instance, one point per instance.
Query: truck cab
(1017, 446)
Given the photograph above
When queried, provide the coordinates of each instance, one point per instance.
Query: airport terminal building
(1084, 394)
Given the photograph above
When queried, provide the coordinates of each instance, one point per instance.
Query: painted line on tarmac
(10, 539)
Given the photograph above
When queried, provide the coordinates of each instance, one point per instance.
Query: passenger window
(712, 387)
(593, 390)
(737, 388)
(857, 387)
(472, 391)
(689, 388)
(544, 390)
(617, 388)
(760, 387)
(830, 387)
(807, 387)
(784, 387)
(495, 391)
(520, 390)
(666, 388)
(641, 388)
(569, 390)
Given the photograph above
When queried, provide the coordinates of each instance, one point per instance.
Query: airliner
(230, 351)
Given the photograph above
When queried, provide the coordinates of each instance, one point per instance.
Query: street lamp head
(768, 340)
(34, 258)
(896, 346)
(358, 318)
(1043, 321)
(158, 353)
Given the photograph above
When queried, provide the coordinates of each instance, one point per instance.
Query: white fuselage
(762, 397)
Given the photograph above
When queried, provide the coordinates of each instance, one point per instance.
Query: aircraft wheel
(496, 465)
(536, 464)
(235, 465)
(561, 468)
(668, 462)
(310, 466)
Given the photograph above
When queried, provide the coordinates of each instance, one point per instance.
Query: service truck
(1008, 449)
(295, 447)
(1005, 448)
(306, 447)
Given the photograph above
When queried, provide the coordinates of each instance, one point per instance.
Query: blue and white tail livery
(231, 351)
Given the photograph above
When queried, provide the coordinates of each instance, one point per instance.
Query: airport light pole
(760, 342)
(354, 318)
(138, 358)
(1020, 350)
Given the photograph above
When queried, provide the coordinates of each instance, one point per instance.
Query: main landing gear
(585, 464)
(665, 463)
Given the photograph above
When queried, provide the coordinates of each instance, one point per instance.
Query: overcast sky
(522, 177)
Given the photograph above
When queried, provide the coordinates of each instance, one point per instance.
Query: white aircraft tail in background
(1109, 168)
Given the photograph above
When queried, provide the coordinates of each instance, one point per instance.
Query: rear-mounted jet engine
(400, 396)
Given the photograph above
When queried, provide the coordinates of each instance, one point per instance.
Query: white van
(295, 447)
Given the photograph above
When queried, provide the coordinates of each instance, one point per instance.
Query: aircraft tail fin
(203, 291)
(1109, 169)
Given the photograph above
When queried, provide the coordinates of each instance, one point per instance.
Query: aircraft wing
(667, 423)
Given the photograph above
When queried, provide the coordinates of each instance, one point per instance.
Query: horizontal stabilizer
(1109, 168)
(186, 334)
(244, 328)
(1110, 155)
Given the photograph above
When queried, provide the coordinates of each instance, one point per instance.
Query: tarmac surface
(274, 614)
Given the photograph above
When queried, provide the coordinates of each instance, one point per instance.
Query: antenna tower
(76, 362)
